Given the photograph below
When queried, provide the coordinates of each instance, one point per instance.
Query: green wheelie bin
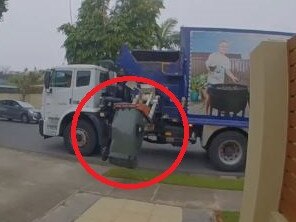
(127, 137)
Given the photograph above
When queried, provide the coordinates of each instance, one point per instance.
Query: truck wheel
(86, 138)
(228, 151)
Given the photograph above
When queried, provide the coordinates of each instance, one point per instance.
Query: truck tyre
(228, 151)
(86, 138)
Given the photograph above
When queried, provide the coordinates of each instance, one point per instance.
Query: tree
(86, 40)
(3, 7)
(25, 82)
(134, 22)
(4, 70)
(166, 37)
(100, 32)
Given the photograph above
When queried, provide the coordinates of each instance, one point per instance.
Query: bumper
(35, 117)
(41, 129)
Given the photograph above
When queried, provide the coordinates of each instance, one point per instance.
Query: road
(26, 137)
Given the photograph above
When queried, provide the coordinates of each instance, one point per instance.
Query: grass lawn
(178, 179)
(230, 216)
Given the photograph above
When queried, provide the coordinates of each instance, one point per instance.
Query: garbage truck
(209, 74)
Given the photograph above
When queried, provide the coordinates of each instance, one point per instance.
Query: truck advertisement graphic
(219, 71)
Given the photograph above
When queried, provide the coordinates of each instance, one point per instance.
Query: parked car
(18, 110)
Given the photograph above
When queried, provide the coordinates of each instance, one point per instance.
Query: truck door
(81, 85)
(58, 99)
(85, 80)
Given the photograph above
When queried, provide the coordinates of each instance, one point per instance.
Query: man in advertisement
(218, 65)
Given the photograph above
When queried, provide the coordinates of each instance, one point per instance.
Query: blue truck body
(172, 69)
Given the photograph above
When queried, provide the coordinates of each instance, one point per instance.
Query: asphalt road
(26, 137)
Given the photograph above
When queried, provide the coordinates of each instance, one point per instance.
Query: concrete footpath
(35, 187)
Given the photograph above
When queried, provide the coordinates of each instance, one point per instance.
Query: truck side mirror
(47, 79)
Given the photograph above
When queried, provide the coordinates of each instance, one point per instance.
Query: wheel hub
(230, 152)
(81, 136)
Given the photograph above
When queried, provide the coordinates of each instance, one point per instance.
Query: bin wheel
(86, 138)
(228, 151)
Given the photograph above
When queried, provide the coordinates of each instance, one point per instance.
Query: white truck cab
(64, 87)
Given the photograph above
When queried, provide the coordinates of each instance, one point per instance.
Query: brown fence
(288, 199)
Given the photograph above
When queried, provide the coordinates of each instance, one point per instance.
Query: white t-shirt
(221, 64)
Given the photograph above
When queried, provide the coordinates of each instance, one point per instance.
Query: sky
(29, 37)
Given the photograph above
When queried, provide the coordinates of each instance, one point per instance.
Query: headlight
(31, 112)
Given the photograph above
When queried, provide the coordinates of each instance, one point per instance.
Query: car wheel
(86, 138)
(228, 151)
(25, 118)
